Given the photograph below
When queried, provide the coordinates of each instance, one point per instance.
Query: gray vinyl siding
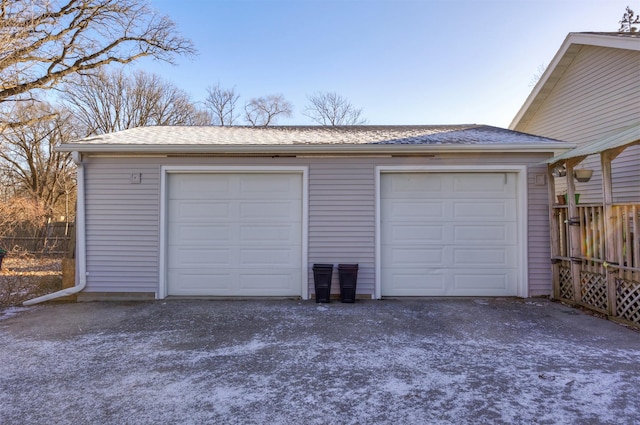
(598, 95)
(122, 226)
(538, 237)
(123, 219)
(342, 218)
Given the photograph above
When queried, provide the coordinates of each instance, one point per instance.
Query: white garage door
(448, 234)
(233, 234)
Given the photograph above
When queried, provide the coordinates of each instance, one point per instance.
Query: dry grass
(24, 277)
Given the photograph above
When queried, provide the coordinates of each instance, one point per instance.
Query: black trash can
(348, 274)
(322, 282)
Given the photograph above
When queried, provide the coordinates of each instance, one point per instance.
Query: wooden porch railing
(603, 278)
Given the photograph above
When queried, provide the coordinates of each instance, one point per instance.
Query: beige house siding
(598, 95)
(123, 218)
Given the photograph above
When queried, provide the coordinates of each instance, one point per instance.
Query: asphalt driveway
(423, 361)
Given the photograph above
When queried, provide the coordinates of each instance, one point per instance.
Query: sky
(419, 62)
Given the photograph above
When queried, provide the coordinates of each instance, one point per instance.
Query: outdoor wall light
(583, 175)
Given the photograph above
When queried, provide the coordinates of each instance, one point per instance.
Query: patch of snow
(241, 349)
(9, 312)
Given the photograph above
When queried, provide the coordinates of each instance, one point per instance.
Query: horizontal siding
(598, 95)
(342, 219)
(123, 218)
(122, 222)
(626, 178)
(538, 238)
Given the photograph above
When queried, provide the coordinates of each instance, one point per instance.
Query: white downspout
(81, 256)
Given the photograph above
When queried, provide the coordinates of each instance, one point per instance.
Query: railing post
(574, 231)
(609, 221)
(554, 225)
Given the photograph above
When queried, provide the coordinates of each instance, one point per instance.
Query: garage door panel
(269, 211)
(211, 282)
(182, 210)
(411, 232)
(484, 184)
(415, 256)
(187, 258)
(485, 284)
(406, 210)
(275, 283)
(267, 233)
(481, 256)
(490, 234)
(264, 186)
(198, 234)
(234, 234)
(189, 186)
(490, 209)
(418, 283)
(237, 282)
(251, 257)
(415, 184)
(470, 247)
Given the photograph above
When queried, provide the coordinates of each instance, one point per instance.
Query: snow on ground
(291, 362)
(9, 312)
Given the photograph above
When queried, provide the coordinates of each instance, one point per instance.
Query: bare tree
(222, 104)
(330, 108)
(17, 211)
(538, 75)
(113, 101)
(629, 19)
(28, 161)
(265, 111)
(42, 42)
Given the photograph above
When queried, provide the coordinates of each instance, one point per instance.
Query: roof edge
(308, 149)
(614, 40)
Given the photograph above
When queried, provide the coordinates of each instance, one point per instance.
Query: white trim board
(522, 210)
(179, 169)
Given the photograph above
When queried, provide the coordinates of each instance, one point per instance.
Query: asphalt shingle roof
(470, 134)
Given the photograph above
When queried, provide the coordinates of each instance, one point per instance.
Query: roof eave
(309, 149)
(622, 139)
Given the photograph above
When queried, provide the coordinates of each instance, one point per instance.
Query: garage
(234, 233)
(232, 211)
(449, 234)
